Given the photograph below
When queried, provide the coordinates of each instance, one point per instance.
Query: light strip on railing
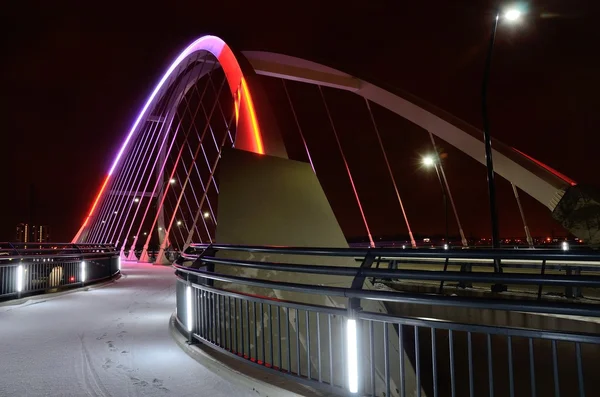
(20, 278)
(352, 355)
(83, 272)
(188, 304)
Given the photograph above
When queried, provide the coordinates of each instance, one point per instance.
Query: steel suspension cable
(437, 158)
(387, 163)
(209, 182)
(362, 213)
(298, 125)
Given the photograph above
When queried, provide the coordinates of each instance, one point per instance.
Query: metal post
(488, 143)
(437, 171)
(438, 161)
(527, 233)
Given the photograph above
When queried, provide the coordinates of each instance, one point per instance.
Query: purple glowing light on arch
(212, 44)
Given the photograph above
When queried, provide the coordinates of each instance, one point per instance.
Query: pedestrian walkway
(112, 340)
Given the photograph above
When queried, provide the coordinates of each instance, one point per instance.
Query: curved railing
(28, 268)
(249, 310)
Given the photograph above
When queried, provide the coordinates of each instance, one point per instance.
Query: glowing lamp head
(206, 215)
(446, 246)
(565, 246)
(512, 15)
(428, 161)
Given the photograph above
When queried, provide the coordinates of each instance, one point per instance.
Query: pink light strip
(236, 81)
(547, 168)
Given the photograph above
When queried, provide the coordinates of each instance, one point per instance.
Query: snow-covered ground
(108, 341)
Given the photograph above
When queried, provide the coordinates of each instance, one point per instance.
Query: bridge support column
(267, 200)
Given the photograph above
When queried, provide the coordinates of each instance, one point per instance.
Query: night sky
(74, 77)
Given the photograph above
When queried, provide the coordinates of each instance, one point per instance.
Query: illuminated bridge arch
(155, 171)
(153, 136)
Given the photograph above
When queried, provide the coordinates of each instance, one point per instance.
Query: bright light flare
(178, 223)
(565, 246)
(446, 246)
(512, 14)
(172, 181)
(352, 355)
(206, 215)
(83, 273)
(188, 307)
(20, 278)
(428, 161)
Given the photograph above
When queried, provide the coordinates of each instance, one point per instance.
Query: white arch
(538, 180)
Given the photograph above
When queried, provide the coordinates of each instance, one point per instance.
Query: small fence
(354, 344)
(27, 268)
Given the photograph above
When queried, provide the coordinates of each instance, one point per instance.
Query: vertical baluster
(490, 365)
(401, 348)
(289, 343)
(511, 381)
(452, 373)
(319, 346)
(297, 324)
(307, 315)
(532, 368)
(331, 383)
(434, 362)
(555, 369)
(386, 358)
(471, 375)
(579, 369)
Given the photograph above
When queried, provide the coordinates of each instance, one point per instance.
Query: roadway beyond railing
(347, 349)
(28, 268)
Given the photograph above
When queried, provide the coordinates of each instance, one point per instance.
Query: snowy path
(111, 341)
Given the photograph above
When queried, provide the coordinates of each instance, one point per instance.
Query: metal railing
(27, 268)
(350, 345)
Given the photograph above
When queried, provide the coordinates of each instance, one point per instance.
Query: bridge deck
(107, 341)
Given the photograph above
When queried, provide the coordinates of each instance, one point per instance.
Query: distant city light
(137, 200)
(160, 229)
(446, 246)
(206, 214)
(565, 246)
(178, 223)
(145, 233)
(116, 212)
(172, 181)
(512, 15)
(403, 247)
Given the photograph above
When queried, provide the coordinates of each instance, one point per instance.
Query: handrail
(234, 322)
(37, 269)
(504, 253)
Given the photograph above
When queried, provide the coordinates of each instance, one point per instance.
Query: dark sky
(73, 77)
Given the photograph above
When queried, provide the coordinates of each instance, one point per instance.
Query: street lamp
(206, 215)
(511, 15)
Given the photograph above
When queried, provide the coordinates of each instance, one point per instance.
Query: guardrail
(354, 347)
(27, 268)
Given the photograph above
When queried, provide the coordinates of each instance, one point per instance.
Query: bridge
(219, 179)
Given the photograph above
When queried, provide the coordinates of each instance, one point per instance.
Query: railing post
(352, 326)
(189, 308)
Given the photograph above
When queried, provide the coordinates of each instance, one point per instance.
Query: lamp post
(510, 15)
(429, 161)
